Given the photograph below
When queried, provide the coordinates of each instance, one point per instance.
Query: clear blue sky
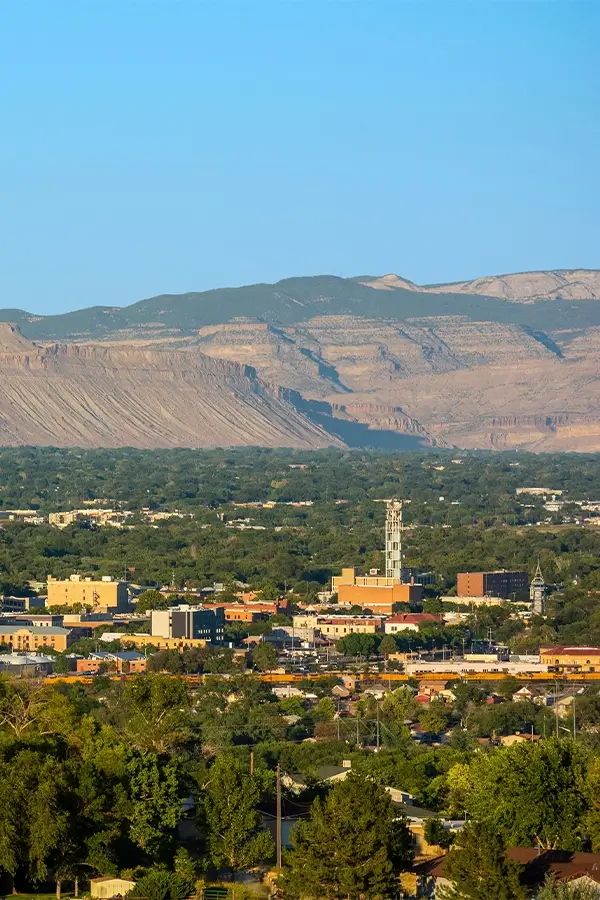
(154, 146)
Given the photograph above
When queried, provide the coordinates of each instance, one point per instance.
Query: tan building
(161, 643)
(106, 888)
(375, 592)
(571, 659)
(35, 637)
(105, 595)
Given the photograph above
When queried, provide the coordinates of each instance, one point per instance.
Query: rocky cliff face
(501, 362)
(522, 287)
(88, 396)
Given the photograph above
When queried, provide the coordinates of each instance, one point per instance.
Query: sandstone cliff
(499, 362)
(522, 287)
(87, 396)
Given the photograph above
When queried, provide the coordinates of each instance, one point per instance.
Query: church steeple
(537, 591)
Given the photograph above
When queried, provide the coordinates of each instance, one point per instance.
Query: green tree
(558, 890)
(264, 656)
(324, 711)
(156, 790)
(437, 835)
(159, 883)
(478, 868)
(151, 599)
(531, 794)
(352, 846)
(388, 645)
(235, 835)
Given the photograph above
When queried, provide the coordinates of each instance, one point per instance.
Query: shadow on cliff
(355, 434)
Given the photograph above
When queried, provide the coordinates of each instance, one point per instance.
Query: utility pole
(574, 721)
(378, 736)
(555, 706)
(278, 817)
(357, 733)
(251, 763)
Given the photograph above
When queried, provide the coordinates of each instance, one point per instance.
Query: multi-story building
(501, 583)
(195, 622)
(378, 593)
(241, 612)
(104, 595)
(34, 637)
(571, 659)
(21, 604)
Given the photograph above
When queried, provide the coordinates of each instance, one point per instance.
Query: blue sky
(153, 146)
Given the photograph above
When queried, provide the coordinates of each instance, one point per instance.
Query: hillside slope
(90, 396)
(501, 362)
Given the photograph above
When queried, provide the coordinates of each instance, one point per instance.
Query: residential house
(531, 695)
(508, 740)
(565, 866)
(409, 622)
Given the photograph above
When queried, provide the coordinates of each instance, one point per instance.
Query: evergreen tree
(479, 869)
(388, 645)
(353, 846)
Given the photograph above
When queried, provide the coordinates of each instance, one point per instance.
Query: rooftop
(412, 618)
(33, 629)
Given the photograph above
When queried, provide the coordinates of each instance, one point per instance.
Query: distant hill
(296, 300)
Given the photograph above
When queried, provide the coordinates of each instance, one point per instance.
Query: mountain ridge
(292, 300)
(316, 361)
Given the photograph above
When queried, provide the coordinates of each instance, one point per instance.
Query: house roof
(325, 772)
(412, 618)
(565, 865)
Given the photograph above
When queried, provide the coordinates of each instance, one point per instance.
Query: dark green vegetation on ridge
(294, 300)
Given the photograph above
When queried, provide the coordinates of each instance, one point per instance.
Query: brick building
(501, 583)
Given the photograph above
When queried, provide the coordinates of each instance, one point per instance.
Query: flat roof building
(189, 622)
(377, 593)
(103, 595)
(500, 583)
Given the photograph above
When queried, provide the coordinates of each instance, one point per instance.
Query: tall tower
(393, 540)
(537, 592)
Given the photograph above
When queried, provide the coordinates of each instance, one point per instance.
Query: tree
(324, 711)
(353, 845)
(388, 645)
(152, 712)
(478, 868)
(151, 599)
(235, 834)
(531, 794)
(436, 835)
(156, 791)
(558, 890)
(264, 656)
(160, 884)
